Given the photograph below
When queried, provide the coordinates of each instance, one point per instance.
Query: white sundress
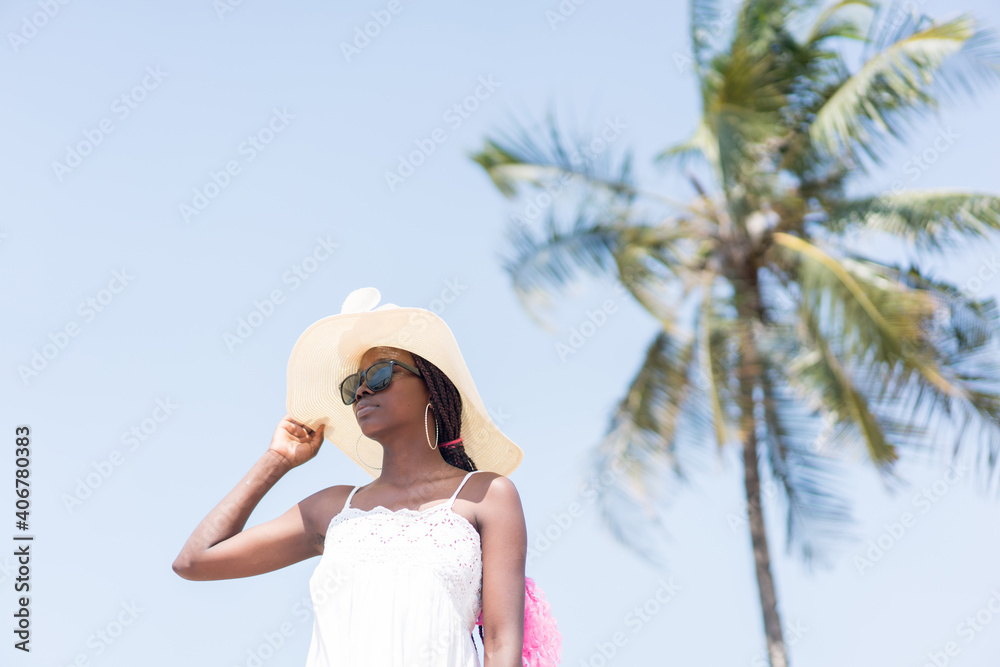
(397, 588)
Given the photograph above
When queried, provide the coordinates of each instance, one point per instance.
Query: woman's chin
(368, 428)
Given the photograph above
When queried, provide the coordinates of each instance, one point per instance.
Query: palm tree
(779, 328)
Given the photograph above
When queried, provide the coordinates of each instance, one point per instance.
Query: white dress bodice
(397, 588)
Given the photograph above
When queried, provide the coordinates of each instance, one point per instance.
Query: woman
(411, 559)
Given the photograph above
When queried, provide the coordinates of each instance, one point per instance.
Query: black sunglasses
(377, 377)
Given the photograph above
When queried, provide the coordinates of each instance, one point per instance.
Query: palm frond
(548, 158)
(647, 265)
(628, 495)
(661, 409)
(508, 170)
(965, 323)
(735, 138)
(715, 358)
(930, 219)
(870, 106)
(656, 399)
(816, 512)
(940, 373)
(871, 316)
(701, 145)
(759, 22)
(704, 16)
(818, 372)
(830, 23)
(550, 260)
(962, 337)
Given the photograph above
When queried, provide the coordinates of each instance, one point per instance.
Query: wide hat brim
(331, 349)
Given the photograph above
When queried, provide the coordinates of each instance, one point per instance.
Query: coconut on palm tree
(781, 333)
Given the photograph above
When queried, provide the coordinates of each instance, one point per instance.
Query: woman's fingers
(297, 429)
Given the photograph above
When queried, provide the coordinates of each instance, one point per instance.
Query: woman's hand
(294, 442)
(220, 548)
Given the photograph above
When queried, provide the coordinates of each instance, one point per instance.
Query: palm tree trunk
(748, 369)
(762, 560)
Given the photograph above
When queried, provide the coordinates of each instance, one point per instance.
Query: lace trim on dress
(442, 542)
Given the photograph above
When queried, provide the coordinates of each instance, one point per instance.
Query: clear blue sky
(168, 94)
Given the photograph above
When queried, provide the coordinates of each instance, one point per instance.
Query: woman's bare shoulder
(319, 509)
(495, 496)
(333, 497)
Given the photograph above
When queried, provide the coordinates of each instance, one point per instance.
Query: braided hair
(447, 404)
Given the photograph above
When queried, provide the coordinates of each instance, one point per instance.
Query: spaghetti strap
(451, 501)
(347, 503)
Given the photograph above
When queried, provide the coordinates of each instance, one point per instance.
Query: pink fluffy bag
(542, 641)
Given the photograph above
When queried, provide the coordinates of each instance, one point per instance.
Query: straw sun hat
(331, 349)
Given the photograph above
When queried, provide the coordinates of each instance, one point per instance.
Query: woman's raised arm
(219, 548)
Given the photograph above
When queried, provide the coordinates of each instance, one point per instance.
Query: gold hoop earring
(359, 453)
(427, 431)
